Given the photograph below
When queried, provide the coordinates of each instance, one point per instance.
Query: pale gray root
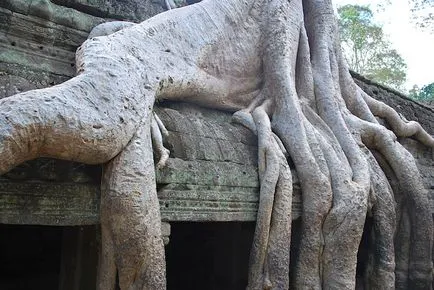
(342, 225)
(407, 173)
(63, 122)
(244, 116)
(278, 252)
(279, 65)
(400, 127)
(304, 79)
(157, 129)
(286, 53)
(106, 276)
(107, 28)
(163, 129)
(402, 231)
(280, 144)
(268, 167)
(351, 93)
(402, 256)
(269, 255)
(169, 4)
(130, 218)
(380, 271)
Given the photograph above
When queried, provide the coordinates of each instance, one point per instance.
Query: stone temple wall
(38, 39)
(410, 110)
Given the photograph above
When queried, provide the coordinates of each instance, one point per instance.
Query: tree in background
(426, 93)
(366, 48)
(422, 15)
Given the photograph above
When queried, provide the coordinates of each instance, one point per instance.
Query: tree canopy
(367, 49)
(426, 93)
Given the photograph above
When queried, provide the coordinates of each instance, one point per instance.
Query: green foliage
(426, 93)
(366, 48)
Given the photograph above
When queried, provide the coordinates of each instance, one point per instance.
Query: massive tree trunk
(278, 65)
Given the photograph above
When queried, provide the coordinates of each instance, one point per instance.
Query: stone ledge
(71, 204)
(211, 176)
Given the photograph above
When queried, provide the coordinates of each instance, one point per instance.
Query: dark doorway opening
(30, 257)
(199, 256)
(208, 255)
(47, 257)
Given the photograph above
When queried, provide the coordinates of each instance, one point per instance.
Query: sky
(414, 45)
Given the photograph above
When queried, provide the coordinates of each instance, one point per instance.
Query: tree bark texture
(276, 64)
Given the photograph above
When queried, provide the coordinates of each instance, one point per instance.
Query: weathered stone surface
(49, 204)
(49, 12)
(133, 10)
(410, 110)
(37, 52)
(38, 38)
(212, 171)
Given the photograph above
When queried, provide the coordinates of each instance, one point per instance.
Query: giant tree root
(280, 63)
(130, 219)
(269, 256)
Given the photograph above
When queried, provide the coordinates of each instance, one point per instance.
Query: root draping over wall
(278, 66)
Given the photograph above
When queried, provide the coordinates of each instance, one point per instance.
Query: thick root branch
(278, 252)
(407, 173)
(380, 272)
(269, 258)
(400, 127)
(130, 218)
